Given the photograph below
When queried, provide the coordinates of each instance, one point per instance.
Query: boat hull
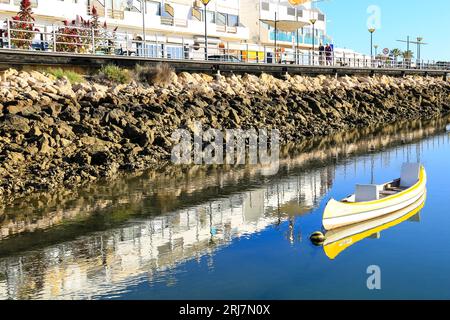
(339, 214)
(338, 240)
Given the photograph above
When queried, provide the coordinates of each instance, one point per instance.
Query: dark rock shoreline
(54, 134)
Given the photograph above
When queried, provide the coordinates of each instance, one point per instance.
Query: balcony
(174, 22)
(226, 29)
(116, 14)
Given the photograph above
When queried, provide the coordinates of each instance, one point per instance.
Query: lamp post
(375, 46)
(419, 43)
(143, 26)
(313, 22)
(371, 30)
(205, 3)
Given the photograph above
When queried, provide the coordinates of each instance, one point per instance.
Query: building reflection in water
(110, 260)
(147, 247)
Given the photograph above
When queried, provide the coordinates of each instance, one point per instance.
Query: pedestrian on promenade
(328, 54)
(321, 54)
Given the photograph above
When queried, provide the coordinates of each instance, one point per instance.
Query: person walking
(328, 54)
(321, 54)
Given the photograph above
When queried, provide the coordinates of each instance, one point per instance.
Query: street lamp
(375, 46)
(313, 22)
(419, 43)
(205, 3)
(371, 30)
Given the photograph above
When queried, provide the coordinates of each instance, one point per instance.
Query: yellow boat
(338, 240)
(373, 201)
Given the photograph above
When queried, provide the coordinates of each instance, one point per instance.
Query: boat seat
(366, 192)
(410, 175)
(388, 192)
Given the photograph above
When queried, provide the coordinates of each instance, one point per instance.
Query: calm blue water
(237, 235)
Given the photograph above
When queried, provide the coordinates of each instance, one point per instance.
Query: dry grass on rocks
(160, 74)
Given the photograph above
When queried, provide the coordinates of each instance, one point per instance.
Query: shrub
(76, 36)
(72, 76)
(113, 74)
(157, 75)
(24, 20)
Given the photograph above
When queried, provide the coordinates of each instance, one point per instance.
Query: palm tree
(408, 55)
(396, 53)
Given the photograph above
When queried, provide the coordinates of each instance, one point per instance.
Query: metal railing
(77, 39)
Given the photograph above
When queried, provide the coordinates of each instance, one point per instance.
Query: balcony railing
(224, 28)
(79, 41)
(168, 21)
(116, 14)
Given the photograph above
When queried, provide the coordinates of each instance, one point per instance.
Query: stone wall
(56, 134)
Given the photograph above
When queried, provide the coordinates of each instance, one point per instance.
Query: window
(265, 6)
(321, 17)
(291, 11)
(221, 19)
(153, 8)
(299, 13)
(210, 16)
(233, 21)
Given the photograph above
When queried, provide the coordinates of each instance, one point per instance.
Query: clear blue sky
(430, 19)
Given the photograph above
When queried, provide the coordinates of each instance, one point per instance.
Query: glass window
(321, 17)
(265, 6)
(233, 21)
(291, 11)
(210, 16)
(221, 19)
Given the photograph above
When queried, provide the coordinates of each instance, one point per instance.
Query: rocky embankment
(56, 134)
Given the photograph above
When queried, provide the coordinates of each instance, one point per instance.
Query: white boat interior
(370, 192)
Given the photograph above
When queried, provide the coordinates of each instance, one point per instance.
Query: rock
(53, 109)
(8, 74)
(44, 146)
(15, 157)
(70, 113)
(16, 123)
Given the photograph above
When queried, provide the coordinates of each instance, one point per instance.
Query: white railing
(76, 39)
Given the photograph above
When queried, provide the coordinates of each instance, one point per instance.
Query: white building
(170, 25)
(252, 11)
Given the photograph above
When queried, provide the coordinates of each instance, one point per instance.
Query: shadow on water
(102, 237)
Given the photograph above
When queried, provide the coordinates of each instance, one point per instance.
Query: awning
(169, 9)
(197, 13)
(285, 25)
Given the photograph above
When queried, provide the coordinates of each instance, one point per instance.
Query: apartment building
(176, 28)
(253, 11)
(170, 25)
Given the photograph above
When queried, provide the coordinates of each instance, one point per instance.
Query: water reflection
(110, 236)
(340, 239)
(111, 259)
